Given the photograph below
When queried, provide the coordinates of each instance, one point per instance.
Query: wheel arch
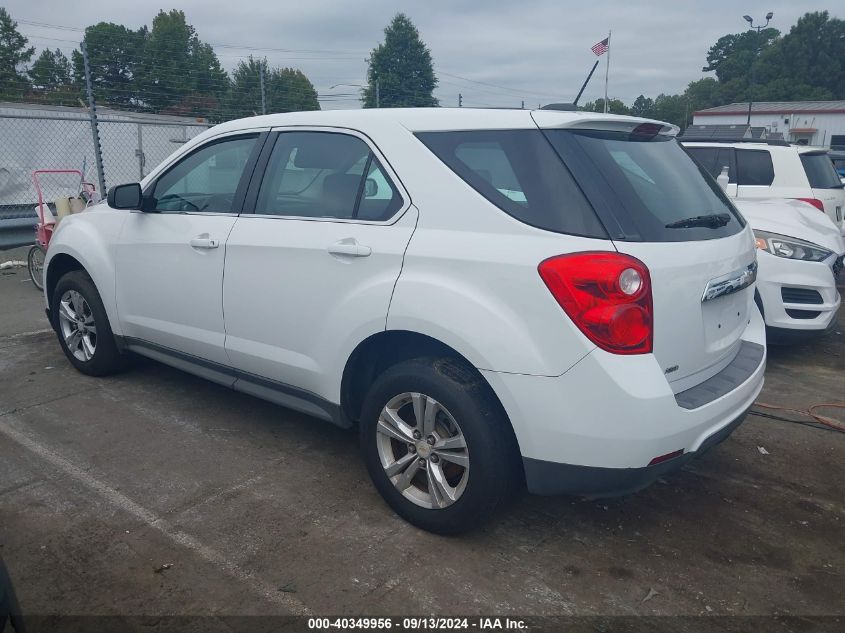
(58, 266)
(382, 350)
(83, 242)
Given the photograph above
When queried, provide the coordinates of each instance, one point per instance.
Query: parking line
(272, 594)
(22, 334)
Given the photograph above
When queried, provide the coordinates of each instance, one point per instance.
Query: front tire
(436, 445)
(82, 326)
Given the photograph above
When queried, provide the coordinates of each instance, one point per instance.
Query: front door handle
(350, 248)
(203, 241)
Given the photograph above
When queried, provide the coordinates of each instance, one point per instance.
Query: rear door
(825, 183)
(311, 271)
(649, 187)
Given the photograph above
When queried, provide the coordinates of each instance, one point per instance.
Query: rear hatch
(825, 184)
(659, 206)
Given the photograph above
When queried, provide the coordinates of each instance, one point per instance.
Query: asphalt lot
(259, 510)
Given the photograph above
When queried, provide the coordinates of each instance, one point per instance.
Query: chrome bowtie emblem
(730, 283)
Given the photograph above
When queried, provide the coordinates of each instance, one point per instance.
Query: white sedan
(799, 253)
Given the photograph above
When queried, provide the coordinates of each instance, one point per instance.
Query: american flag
(600, 48)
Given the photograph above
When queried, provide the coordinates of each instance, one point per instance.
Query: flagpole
(607, 72)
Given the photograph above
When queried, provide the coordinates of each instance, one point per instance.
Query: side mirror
(370, 188)
(126, 196)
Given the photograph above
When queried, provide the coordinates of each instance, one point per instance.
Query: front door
(169, 257)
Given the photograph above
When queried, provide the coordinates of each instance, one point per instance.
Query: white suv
(774, 169)
(493, 296)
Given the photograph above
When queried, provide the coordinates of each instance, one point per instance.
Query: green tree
(811, 56)
(289, 90)
(671, 108)
(614, 106)
(179, 73)
(403, 68)
(52, 78)
(731, 56)
(643, 106)
(244, 98)
(165, 77)
(14, 52)
(51, 71)
(285, 90)
(114, 55)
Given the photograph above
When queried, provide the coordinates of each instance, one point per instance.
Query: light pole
(750, 21)
(378, 99)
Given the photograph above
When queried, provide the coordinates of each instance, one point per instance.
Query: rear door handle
(204, 242)
(350, 248)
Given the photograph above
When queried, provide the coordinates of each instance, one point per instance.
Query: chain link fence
(51, 137)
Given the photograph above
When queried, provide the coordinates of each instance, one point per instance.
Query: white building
(807, 122)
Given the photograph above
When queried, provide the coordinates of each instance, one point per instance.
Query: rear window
(754, 167)
(519, 172)
(820, 171)
(640, 183)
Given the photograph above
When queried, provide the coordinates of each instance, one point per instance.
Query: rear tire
(432, 424)
(81, 323)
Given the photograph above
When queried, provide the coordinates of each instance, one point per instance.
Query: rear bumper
(596, 429)
(551, 478)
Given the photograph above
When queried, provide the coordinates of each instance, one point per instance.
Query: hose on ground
(820, 421)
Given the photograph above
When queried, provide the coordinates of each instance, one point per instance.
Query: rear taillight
(607, 295)
(813, 201)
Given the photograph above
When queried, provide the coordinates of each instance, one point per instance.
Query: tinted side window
(206, 180)
(519, 172)
(325, 175)
(704, 156)
(754, 167)
(820, 171)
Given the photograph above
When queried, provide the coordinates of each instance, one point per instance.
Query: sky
(493, 52)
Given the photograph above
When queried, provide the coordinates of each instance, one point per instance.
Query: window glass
(713, 159)
(519, 172)
(820, 171)
(754, 167)
(379, 199)
(205, 180)
(322, 175)
(649, 181)
(704, 156)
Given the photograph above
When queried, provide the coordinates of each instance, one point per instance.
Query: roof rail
(758, 141)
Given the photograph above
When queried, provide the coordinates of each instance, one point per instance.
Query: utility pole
(95, 130)
(460, 100)
(378, 93)
(263, 96)
(522, 107)
(750, 21)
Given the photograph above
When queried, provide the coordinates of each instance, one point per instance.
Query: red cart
(47, 221)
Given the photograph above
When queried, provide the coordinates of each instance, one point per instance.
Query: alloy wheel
(422, 450)
(76, 321)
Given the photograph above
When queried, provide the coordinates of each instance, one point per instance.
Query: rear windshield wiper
(712, 221)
